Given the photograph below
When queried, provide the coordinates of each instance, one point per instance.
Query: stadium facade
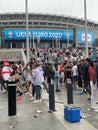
(45, 30)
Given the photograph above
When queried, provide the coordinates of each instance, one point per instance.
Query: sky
(73, 8)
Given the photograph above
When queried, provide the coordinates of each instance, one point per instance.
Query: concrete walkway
(26, 113)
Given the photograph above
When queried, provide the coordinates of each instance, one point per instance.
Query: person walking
(86, 77)
(28, 78)
(93, 84)
(32, 81)
(37, 81)
(57, 78)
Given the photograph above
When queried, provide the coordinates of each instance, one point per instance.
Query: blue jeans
(38, 92)
(57, 82)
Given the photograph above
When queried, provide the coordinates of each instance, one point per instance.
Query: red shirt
(61, 68)
(0, 73)
(58, 54)
(91, 71)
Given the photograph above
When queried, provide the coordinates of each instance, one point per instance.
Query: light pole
(27, 33)
(85, 16)
(67, 36)
(59, 42)
(33, 40)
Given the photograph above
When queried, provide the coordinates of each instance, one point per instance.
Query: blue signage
(49, 35)
(81, 37)
(42, 34)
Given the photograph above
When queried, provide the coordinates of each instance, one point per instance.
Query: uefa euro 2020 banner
(42, 34)
(48, 35)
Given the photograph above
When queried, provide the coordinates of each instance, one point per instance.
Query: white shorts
(62, 74)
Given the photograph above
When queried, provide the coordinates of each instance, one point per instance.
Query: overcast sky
(73, 8)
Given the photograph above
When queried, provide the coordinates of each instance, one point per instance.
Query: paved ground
(26, 109)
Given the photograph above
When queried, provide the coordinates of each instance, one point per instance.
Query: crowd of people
(60, 66)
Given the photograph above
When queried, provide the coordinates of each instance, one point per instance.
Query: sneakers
(94, 108)
(39, 100)
(84, 91)
(36, 101)
(47, 94)
(58, 90)
(77, 88)
(30, 94)
(20, 94)
(32, 98)
(27, 93)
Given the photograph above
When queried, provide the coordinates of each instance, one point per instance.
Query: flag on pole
(56, 40)
(38, 39)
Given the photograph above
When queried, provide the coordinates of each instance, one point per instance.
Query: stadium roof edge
(51, 14)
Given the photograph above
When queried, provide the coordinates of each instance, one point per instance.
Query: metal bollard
(11, 98)
(51, 98)
(69, 93)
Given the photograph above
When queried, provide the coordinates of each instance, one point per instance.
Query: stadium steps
(13, 54)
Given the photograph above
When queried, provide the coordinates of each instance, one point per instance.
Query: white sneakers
(27, 93)
(32, 98)
(37, 101)
(94, 108)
